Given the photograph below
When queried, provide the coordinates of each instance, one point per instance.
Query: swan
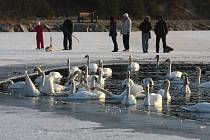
(174, 74)
(185, 89)
(133, 66)
(202, 107)
(83, 92)
(146, 81)
(203, 86)
(152, 99)
(165, 92)
(48, 86)
(92, 67)
(25, 88)
(135, 89)
(128, 99)
(100, 94)
(100, 80)
(157, 58)
(77, 77)
(71, 70)
(56, 75)
(107, 72)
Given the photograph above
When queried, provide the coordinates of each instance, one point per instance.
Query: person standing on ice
(113, 33)
(161, 31)
(67, 32)
(126, 30)
(39, 36)
(145, 27)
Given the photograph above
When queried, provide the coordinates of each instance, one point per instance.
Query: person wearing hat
(145, 27)
(126, 30)
(161, 31)
(39, 36)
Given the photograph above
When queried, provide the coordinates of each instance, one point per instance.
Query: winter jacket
(39, 32)
(68, 26)
(145, 26)
(161, 28)
(126, 26)
(112, 29)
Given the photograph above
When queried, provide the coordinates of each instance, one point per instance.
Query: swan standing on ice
(92, 67)
(152, 99)
(133, 66)
(26, 88)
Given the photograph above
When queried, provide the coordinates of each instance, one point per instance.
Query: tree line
(174, 9)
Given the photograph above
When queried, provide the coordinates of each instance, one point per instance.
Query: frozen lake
(51, 118)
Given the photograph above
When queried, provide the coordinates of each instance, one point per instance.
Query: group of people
(160, 30)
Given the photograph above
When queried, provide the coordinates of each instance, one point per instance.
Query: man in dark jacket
(145, 27)
(161, 31)
(67, 32)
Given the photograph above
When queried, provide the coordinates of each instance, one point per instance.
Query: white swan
(71, 70)
(100, 80)
(128, 99)
(174, 74)
(83, 92)
(152, 99)
(92, 67)
(165, 92)
(100, 94)
(202, 107)
(185, 89)
(56, 75)
(133, 66)
(26, 88)
(203, 86)
(107, 72)
(146, 81)
(48, 86)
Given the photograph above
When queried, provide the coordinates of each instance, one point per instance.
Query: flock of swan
(87, 83)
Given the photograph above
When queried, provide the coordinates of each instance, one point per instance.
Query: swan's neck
(147, 97)
(88, 61)
(69, 68)
(101, 63)
(73, 87)
(43, 79)
(166, 93)
(198, 81)
(86, 72)
(169, 68)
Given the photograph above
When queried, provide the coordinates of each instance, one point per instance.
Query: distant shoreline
(100, 26)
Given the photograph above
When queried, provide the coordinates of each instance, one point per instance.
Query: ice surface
(19, 123)
(19, 48)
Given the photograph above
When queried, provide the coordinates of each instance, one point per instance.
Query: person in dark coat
(39, 36)
(161, 31)
(145, 27)
(67, 32)
(113, 33)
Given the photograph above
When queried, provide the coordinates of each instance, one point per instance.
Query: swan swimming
(152, 99)
(107, 72)
(202, 107)
(133, 66)
(92, 67)
(165, 92)
(26, 88)
(203, 86)
(174, 74)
